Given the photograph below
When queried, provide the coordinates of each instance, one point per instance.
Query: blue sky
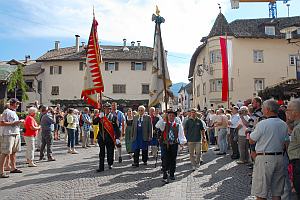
(30, 27)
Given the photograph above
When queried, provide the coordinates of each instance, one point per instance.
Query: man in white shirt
(233, 123)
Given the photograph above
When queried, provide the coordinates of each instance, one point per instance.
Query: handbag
(204, 146)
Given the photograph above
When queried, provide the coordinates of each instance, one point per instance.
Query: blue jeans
(222, 140)
(71, 137)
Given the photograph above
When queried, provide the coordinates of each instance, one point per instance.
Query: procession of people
(260, 134)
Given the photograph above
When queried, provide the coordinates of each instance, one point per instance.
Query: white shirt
(242, 130)
(161, 124)
(234, 120)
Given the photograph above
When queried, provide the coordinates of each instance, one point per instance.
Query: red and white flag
(93, 82)
(225, 74)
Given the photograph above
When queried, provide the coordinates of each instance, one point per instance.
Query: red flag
(93, 82)
(224, 69)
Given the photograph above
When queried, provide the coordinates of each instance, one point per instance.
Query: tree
(16, 81)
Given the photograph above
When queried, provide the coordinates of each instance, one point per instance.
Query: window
(111, 66)
(29, 84)
(259, 84)
(40, 87)
(204, 88)
(298, 31)
(258, 56)
(81, 66)
(141, 66)
(119, 88)
(55, 90)
(55, 70)
(145, 88)
(292, 60)
(215, 56)
(270, 30)
(198, 90)
(215, 85)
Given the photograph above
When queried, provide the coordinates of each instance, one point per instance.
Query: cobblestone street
(75, 177)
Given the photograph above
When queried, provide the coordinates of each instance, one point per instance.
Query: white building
(126, 73)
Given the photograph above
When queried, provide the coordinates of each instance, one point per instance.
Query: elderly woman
(31, 131)
(71, 128)
(129, 120)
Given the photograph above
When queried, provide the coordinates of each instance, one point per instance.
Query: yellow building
(259, 57)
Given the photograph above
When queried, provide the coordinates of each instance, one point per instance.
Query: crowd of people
(262, 134)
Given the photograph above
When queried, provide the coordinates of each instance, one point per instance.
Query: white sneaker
(69, 151)
(32, 164)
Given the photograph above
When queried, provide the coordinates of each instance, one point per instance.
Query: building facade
(126, 72)
(259, 57)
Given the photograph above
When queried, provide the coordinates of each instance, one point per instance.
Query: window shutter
(59, 70)
(116, 66)
(133, 66)
(106, 66)
(144, 66)
(255, 56)
(51, 69)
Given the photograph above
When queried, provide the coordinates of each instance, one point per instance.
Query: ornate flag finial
(93, 12)
(157, 12)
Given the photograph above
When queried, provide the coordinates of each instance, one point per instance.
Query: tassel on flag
(225, 77)
(93, 82)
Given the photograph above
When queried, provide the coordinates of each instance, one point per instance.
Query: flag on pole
(225, 82)
(160, 80)
(93, 82)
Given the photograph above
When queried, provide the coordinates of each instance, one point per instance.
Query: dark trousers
(77, 136)
(169, 159)
(212, 136)
(47, 139)
(71, 137)
(233, 142)
(136, 156)
(296, 176)
(109, 153)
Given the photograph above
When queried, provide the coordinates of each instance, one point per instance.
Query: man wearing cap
(11, 137)
(172, 136)
(105, 139)
(195, 133)
(269, 135)
(233, 123)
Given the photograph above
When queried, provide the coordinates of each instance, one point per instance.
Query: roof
(108, 53)
(6, 71)
(189, 88)
(220, 27)
(245, 28)
(33, 69)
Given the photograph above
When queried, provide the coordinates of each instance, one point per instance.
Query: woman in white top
(242, 140)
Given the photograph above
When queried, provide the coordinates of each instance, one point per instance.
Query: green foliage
(17, 81)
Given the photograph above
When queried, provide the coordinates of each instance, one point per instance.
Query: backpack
(65, 121)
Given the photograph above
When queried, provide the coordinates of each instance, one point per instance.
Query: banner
(225, 80)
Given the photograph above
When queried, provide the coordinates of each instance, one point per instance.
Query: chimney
(82, 44)
(57, 44)
(124, 42)
(77, 43)
(132, 43)
(27, 58)
(139, 43)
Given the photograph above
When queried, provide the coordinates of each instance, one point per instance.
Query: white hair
(32, 110)
(296, 105)
(141, 106)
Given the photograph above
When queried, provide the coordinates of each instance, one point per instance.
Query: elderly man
(222, 124)
(87, 122)
(233, 124)
(47, 124)
(269, 136)
(293, 116)
(172, 136)
(141, 135)
(195, 133)
(11, 137)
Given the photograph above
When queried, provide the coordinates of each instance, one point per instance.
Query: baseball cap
(14, 100)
